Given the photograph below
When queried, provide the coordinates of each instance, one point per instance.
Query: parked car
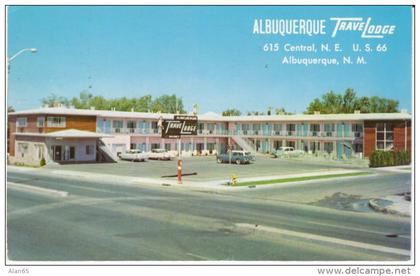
(134, 155)
(236, 156)
(287, 152)
(160, 154)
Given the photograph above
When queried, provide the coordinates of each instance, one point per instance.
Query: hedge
(389, 158)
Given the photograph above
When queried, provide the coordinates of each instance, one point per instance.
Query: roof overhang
(68, 133)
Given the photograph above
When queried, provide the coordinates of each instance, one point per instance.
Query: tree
(363, 104)
(100, 103)
(331, 103)
(255, 113)
(314, 106)
(231, 112)
(168, 104)
(282, 111)
(52, 100)
(164, 103)
(143, 104)
(349, 101)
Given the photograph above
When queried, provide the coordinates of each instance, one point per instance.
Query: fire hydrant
(233, 179)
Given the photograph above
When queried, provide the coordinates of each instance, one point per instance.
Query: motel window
(357, 128)
(314, 128)
(56, 121)
(211, 127)
(89, 149)
(155, 146)
(329, 129)
(328, 147)
(291, 128)
(22, 122)
(168, 146)
(117, 126)
(131, 124)
(40, 121)
(384, 136)
(155, 127)
(277, 127)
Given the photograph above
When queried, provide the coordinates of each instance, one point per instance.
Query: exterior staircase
(245, 144)
(104, 154)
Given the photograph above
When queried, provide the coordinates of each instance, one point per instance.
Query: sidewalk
(397, 169)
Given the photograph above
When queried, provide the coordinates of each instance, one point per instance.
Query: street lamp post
(32, 50)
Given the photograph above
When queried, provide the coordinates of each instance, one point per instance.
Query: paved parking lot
(206, 168)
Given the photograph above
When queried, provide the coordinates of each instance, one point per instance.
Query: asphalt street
(100, 220)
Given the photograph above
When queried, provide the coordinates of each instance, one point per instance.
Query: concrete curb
(372, 204)
(207, 185)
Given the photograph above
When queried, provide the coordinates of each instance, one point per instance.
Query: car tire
(219, 161)
(238, 162)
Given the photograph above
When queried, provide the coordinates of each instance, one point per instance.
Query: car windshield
(247, 153)
(158, 150)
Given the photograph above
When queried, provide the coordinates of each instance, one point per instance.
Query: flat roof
(216, 117)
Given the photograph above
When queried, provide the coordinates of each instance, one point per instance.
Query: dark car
(235, 156)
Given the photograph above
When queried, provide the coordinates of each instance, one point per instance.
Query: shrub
(42, 163)
(389, 158)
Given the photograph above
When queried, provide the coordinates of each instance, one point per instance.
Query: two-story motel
(63, 135)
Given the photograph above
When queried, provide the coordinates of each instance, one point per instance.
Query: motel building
(68, 135)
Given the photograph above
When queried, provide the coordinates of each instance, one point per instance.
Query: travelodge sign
(181, 125)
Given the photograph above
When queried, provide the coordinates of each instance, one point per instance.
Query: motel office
(63, 135)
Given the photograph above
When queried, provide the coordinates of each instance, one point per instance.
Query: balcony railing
(259, 133)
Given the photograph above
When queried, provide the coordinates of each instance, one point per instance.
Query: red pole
(179, 171)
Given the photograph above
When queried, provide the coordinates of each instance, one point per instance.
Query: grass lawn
(296, 179)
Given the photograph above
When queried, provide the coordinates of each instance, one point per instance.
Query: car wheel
(219, 160)
(238, 162)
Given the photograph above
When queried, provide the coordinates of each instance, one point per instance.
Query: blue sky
(206, 55)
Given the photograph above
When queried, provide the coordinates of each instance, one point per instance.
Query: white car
(160, 154)
(134, 155)
(288, 152)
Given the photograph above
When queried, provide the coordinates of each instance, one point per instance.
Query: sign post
(181, 125)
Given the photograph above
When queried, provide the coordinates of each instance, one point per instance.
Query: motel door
(56, 150)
